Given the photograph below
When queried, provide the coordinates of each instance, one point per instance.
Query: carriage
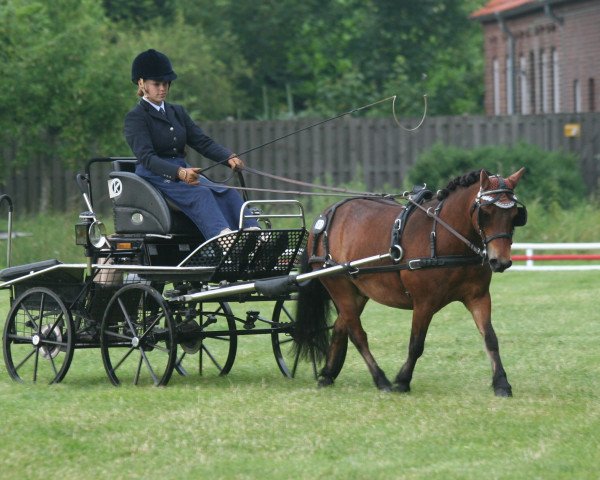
(129, 298)
(155, 297)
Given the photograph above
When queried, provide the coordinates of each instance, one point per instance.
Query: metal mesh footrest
(250, 254)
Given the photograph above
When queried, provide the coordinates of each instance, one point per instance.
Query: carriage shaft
(291, 281)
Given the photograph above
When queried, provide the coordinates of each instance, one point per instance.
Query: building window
(592, 95)
(532, 89)
(576, 96)
(545, 90)
(523, 85)
(509, 87)
(496, 80)
(555, 81)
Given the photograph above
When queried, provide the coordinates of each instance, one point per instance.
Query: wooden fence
(338, 150)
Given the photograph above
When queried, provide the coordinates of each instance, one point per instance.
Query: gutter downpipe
(550, 14)
(511, 102)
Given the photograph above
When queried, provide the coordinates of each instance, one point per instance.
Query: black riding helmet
(152, 65)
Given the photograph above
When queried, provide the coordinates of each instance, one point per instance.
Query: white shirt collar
(156, 107)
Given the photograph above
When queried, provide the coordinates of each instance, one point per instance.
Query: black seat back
(138, 207)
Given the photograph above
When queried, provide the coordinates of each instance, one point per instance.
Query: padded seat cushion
(138, 207)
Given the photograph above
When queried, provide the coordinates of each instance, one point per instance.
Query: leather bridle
(502, 197)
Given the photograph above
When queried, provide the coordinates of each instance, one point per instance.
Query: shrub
(552, 178)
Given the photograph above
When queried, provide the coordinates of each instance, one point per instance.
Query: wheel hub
(135, 342)
(52, 351)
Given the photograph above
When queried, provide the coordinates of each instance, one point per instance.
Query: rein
(428, 211)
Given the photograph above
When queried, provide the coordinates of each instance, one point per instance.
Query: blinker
(521, 218)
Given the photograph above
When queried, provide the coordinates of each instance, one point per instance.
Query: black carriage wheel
(287, 358)
(137, 337)
(38, 337)
(215, 343)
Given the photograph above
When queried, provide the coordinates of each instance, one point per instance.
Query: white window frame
(556, 81)
(524, 85)
(496, 83)
(545, 82)
(509, 87)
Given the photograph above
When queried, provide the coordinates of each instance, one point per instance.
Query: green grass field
(255, 423)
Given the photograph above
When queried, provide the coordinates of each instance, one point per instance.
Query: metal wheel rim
(143, 346)
(50, 338)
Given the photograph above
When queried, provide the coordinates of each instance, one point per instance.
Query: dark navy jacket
(155, 139)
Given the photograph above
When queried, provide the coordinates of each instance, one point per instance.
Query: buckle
(414, 264)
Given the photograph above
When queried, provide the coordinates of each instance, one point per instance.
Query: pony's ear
(515, 177)
(484, 180)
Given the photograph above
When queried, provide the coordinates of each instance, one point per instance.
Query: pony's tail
(311, 333)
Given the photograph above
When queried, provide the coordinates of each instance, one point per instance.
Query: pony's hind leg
(335, 356)
(350, 305)
(481, 310)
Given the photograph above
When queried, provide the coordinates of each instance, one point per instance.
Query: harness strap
(329, 215)
(448, 261)
(462, 238)
(417, 196)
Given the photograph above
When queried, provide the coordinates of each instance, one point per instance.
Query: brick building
(541, 56)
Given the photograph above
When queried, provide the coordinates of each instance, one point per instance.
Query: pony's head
(495, 213)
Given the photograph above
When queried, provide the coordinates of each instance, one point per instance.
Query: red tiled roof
(497, 6)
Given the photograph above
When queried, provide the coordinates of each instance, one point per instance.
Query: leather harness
(417, 197)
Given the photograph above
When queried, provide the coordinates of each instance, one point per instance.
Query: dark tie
(162, 111)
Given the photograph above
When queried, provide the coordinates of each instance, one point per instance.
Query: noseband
(495, 197)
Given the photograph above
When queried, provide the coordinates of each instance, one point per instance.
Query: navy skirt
(211, 206)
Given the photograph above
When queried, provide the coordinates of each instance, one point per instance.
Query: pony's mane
(465, 180)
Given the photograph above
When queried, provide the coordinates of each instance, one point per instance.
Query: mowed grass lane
(256, 424)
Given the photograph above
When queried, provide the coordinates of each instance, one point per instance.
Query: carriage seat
(140, 208)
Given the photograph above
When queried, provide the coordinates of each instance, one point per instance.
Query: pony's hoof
(503, 392)
(324, 382)
(401, 387)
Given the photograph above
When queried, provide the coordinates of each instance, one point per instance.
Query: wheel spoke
(223, 339)
(35, 364)
(213, 359)
(28, 313)
(136, 379)
(110, 333)
(160, 348)
(178, 365)
(147, 362)
(47, 341)
(286, 341)
(151, 327)
(55, 324)
(295, 366)
(42, 306)
(123, 359)
(314, 364)
(126, 315)
(19, 338)
(53, 365)
(27, 357)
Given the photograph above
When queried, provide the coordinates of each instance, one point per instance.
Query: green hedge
(552, 178)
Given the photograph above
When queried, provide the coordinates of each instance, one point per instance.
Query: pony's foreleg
(416, 345)
(481, 309)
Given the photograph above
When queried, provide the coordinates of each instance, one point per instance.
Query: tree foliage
(66, 63)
